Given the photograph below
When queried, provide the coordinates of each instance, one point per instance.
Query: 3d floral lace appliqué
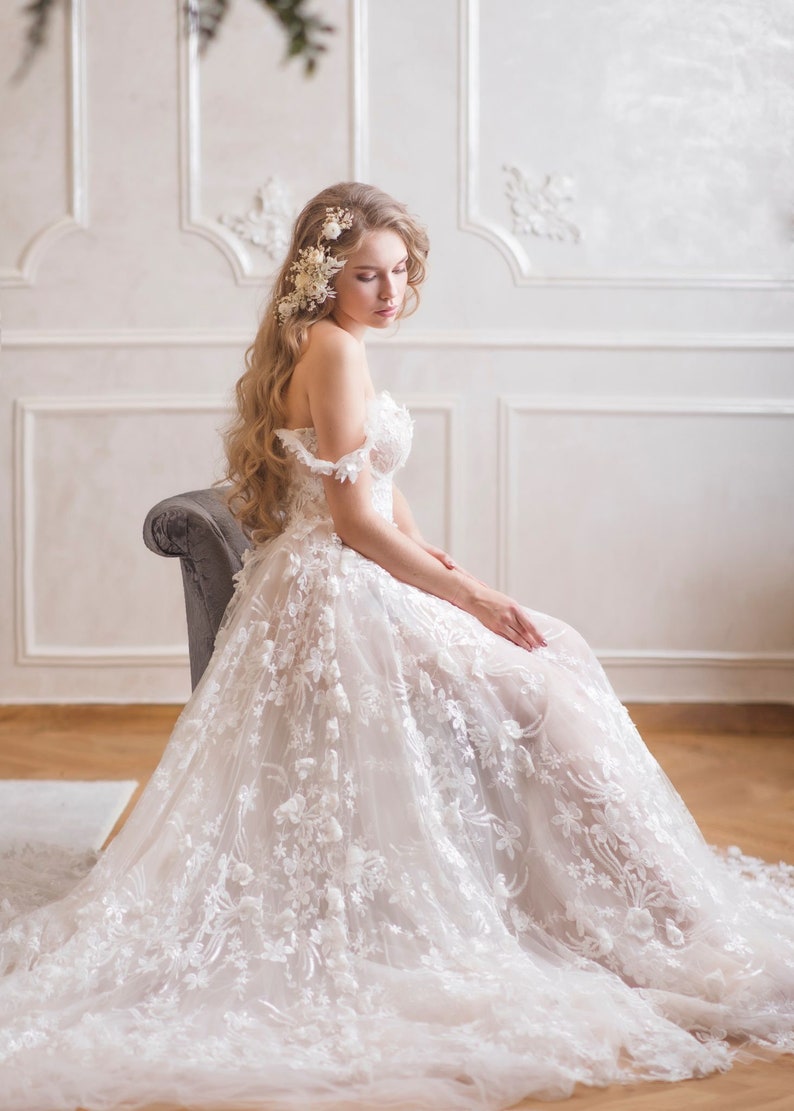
(388, 858)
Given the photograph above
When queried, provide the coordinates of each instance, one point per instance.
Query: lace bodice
(387, 441)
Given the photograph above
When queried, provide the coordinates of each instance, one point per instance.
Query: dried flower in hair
(313, 269)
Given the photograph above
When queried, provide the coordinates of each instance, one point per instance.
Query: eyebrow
(397, 263)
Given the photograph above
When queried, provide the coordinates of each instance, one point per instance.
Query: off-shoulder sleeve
(346, 469)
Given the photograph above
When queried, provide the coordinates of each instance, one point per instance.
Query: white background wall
(602, 372)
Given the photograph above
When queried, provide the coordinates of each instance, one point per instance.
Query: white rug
(75, 815)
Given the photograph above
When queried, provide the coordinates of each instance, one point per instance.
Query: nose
(388, 291)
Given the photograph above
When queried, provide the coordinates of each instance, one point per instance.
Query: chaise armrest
(199, 529)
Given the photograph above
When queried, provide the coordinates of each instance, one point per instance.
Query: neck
(358, 331)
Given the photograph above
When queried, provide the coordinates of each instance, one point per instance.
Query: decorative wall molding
(649, 406)
(541, 206)
(449, 406)
(267, 223)
(28, 650)
(570, 340)
(24, 273)
(189, 102)
(519, 340)
(611, 657)
(192, 219)
(633, 406)
(471, 219)
(359, 89)
(20, 338)
(692, 677)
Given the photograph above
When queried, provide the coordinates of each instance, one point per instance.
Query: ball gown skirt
(390, 859)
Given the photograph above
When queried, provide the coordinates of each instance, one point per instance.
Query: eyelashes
(371, 278)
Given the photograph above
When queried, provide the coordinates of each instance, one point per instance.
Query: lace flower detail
(314, 268)
(639, 923)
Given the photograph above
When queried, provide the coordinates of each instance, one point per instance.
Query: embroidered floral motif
(386, 846)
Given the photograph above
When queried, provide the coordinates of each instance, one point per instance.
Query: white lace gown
(389, 859)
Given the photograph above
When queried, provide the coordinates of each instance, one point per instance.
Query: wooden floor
(734, 766)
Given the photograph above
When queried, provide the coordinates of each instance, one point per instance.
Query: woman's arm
(404, 519)
(336, 383)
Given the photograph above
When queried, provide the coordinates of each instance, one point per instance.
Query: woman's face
(370, 289)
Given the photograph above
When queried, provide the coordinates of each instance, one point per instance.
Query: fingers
(506, 617)
(529, 641)
(524, 633)
(442, 557)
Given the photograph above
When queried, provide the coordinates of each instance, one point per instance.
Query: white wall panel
(631, 518)
(430, 480)
(604, 420)
(43, 188)
(244, 174)
(632, 140)
(89, 469)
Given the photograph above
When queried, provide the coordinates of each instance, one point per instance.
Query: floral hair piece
(313, 269)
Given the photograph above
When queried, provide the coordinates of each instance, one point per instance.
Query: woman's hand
(494, 610)
(501, 615)
(439, 554)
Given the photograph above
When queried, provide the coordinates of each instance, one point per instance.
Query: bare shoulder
(333, 359)
(327, 341)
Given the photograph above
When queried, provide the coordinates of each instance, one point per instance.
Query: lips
(387, 313)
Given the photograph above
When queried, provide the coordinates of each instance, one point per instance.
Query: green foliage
(38, 13)
(305, 32)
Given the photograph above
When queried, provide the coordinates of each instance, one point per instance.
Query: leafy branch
(305, 32)
(38, 13)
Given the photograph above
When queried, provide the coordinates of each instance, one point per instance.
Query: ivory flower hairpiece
(313, 269)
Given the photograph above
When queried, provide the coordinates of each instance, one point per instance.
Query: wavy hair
(257, 469)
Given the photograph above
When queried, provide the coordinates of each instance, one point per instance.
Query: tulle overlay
(389, 858)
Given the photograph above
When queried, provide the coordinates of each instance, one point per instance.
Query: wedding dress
(390, 859)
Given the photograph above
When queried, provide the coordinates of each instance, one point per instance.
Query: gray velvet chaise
(199, 529)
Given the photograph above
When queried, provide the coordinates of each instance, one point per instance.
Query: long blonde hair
(256, 465)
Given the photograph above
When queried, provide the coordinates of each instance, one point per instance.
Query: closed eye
(368, 274)
(372, 277)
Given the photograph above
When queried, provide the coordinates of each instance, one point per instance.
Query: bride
(405, 848)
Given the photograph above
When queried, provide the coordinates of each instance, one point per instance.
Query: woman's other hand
(500, 614)
(440, 555)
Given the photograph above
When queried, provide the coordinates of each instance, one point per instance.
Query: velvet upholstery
(199, 529)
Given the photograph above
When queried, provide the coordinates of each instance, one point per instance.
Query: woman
(405, 847)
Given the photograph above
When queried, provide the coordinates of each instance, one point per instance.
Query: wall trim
(188, 106)
(751, 679)
(615, 657)
(470, 219)
(449, 406)
(29, 652)
(76, 216)
(16, 338)
(358, 22)
(647, 406)
(727, 677)
(192, 219)
(125, 337)
(634, 406)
